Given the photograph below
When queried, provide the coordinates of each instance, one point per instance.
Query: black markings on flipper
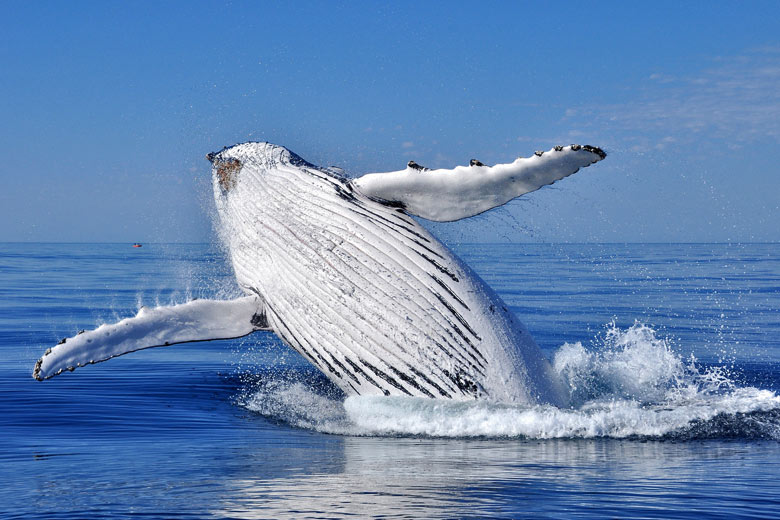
(389, 203)
(414, 166)
(593, 149)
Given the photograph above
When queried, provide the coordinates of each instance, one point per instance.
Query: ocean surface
(671, 352)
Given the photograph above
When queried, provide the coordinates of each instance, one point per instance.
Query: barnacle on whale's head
(225, 170)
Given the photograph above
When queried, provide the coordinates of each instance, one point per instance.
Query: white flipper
(464, 191)
(198, 320)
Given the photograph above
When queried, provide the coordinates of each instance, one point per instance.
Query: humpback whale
(340, 270)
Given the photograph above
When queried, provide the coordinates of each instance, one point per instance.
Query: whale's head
(265, 196)
(228, 165)
(248, 173)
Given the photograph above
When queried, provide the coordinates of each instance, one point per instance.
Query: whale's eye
(226, 173)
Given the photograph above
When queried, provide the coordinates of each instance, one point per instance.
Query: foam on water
(630, 383)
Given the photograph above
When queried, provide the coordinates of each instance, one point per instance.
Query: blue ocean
(671, 351)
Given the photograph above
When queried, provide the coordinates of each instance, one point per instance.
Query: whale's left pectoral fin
(445, 195)
(198, 320)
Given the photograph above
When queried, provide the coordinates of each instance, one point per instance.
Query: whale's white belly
(370, 297)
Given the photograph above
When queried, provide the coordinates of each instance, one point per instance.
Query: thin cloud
(736, 99)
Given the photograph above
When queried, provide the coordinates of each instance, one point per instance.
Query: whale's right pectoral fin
(445, 195)
(198, 320)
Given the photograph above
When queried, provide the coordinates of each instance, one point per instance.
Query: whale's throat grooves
(365, 293)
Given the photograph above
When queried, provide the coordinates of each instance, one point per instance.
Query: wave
(629, 384)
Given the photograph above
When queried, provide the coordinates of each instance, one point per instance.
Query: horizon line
(671, 242)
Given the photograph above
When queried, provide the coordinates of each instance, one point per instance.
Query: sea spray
(634, 364)
(630, 383)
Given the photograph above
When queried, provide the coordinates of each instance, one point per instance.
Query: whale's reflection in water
(435, 478)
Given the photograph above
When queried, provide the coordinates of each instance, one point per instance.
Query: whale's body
(365, 292)
(341, 273)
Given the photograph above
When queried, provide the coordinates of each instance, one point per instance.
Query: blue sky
(108, 108)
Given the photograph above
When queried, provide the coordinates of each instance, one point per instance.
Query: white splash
(631, 384)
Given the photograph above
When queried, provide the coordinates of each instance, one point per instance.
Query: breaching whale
(342, 273)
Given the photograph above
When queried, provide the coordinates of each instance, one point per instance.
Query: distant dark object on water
(137, 245)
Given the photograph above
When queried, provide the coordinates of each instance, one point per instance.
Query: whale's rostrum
(342, 273)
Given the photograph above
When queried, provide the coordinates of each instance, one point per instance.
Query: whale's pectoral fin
(464, 191)
(198, 320)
